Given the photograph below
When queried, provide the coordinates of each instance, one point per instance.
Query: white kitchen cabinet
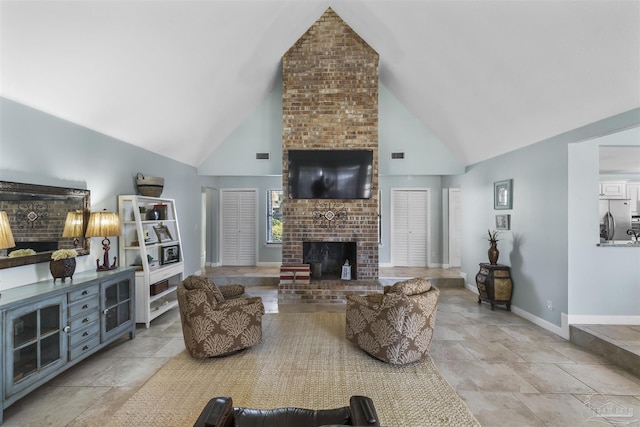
(633, 193)
(151, 243)
(613, 190)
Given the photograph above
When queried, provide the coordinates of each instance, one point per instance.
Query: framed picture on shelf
(163, 233)
(170, 254)
(503, 194)
(503, 222)
(149, 238)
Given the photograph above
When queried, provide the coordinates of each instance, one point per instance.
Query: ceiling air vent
(399, 155)
(262, 156)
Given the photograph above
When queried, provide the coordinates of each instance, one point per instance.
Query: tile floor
(623, 336)
(509, 371)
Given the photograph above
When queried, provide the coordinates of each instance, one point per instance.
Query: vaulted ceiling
(177, 77)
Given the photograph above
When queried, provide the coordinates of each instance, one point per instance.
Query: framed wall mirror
(37, 215)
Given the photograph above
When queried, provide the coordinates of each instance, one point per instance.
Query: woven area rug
(303, 361)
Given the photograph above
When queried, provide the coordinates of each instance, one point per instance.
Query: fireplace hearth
(327, 258)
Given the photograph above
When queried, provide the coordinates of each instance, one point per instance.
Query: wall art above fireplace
(329, 214)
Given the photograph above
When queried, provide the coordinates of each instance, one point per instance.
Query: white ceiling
(177, 77)
(619, 160)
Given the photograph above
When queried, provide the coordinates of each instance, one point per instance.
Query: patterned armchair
(396, 326)
(218, 320)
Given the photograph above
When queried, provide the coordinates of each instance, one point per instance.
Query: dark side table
(494, 285)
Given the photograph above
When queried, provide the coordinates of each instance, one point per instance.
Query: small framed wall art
(503, 194)
(170, 254)
(503, 222)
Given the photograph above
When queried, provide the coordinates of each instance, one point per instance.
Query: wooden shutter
(409, 228)
(239, 227)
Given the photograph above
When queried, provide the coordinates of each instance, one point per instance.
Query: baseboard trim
(473, 288)
(562, 331)
(269, 264)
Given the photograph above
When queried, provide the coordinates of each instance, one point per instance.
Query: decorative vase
(62, 268)
(153, 214)
(162, 209)
(494, 253)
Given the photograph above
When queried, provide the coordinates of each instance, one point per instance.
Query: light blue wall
(602, 281)
(536, 245)
(552, 243)
(37, 148)
(400, 131)
(233, 165)
(550, 246)
(260, 132)
(269, 253)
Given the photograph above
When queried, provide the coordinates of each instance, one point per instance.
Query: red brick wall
(330, 101)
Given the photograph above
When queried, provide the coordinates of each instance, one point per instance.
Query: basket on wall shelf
(151, 186)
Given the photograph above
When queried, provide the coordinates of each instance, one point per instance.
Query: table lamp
(104, 224)
(6, 237)
(73, 227)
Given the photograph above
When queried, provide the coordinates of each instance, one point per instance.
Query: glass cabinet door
(37, 342)
(118, 306)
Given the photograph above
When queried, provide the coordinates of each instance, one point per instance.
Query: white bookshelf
(158, 259)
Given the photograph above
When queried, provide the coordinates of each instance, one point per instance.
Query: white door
(410, 227)
(239, 227)
(203, 229)
(455, 227)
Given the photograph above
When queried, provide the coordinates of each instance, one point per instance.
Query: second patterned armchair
(218, 320)
(396, 326)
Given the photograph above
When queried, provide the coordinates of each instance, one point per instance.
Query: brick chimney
(330, 102)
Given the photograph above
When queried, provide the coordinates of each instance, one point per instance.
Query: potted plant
(63, 264)
(21, 252)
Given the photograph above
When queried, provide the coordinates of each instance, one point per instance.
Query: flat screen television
(330, 174)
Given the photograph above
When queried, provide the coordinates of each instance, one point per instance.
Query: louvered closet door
(239, 227)
(409, 228)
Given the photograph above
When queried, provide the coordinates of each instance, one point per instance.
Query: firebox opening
(327, 258)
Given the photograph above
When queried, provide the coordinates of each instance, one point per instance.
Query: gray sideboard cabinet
(48, 327)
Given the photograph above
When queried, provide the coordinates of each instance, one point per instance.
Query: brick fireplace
(327, 258)
(330, 102)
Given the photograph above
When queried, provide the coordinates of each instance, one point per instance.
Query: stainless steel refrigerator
(615, 219)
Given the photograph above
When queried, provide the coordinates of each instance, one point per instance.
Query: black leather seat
(219, 412)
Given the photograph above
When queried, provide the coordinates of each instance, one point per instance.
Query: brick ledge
(326, 291)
